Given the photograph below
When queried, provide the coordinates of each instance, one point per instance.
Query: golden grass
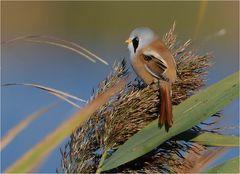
(207, 157)
(30, 160)
(200, 16)
(12, 133)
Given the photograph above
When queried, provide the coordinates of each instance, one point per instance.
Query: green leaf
(187, 114)
(212, 139)
(230, 166)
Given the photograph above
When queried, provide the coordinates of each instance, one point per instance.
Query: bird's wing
(154, 63)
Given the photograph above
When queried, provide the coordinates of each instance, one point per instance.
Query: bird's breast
(140, 69)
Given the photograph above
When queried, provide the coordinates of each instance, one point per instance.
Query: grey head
(139, 38)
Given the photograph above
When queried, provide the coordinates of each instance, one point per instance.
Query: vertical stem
(104, 156)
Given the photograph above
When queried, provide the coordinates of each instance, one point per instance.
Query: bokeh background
(102, 27)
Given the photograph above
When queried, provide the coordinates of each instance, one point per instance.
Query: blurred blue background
(102, 27)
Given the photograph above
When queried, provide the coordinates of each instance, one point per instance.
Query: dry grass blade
(14, 40)
(61, 43)
(62, 95)
(92, 54)
(65, 99)
(78, 46)
(11, 134)
(30, 160)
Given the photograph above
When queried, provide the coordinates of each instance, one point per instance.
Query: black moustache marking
(135, 42)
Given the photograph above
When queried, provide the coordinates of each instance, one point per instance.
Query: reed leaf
(212, 139)
(229, 166)
(187, 114)
(31, 159)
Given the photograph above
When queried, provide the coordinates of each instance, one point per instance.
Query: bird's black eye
(135, 42)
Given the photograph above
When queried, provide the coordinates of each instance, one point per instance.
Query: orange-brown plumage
(153, 62)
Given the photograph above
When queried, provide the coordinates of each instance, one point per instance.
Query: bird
(153, 62)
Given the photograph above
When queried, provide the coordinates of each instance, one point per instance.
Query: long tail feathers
(166, 116)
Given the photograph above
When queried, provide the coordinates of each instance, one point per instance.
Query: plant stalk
(104, 156)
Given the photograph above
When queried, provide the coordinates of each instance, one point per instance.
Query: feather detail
(154, 55)
(166, 116)
(152, 73)
(154, 63)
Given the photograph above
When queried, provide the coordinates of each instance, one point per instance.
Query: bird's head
(139, 38)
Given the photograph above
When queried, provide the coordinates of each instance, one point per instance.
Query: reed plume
(131, 110)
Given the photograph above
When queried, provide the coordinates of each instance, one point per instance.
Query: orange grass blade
(55, 92)
(30, 160)
(12, 133)
(207, 158)
(201, 13)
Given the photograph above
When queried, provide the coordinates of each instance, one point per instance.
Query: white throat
(143, 43)
(144, 36)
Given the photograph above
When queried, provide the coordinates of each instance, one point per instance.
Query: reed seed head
(131, 110)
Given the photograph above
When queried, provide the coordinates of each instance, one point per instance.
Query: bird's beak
(128, 41)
